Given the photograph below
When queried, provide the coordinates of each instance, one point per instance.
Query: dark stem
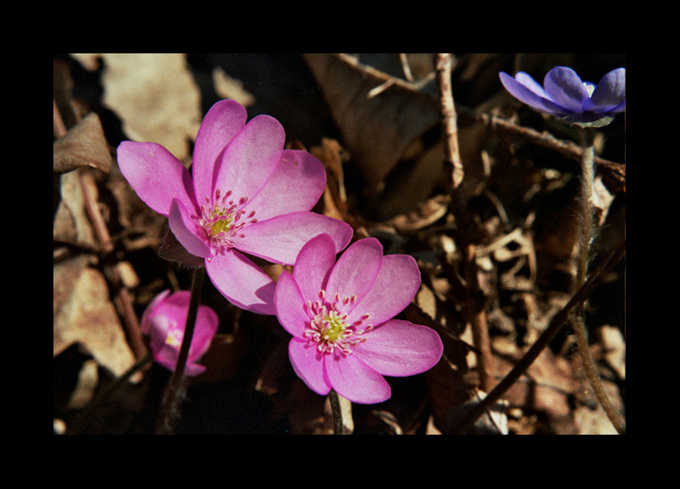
(336, 412)
(175, 390)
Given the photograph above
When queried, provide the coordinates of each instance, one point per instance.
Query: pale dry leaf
(231, 88)
(156, 98)
(71, 222)
(87, 317)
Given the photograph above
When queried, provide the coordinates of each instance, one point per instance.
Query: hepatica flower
(341, 317)
(245, 194)
(564, 95)
(164, 320)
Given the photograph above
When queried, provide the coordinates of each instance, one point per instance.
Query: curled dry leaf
(83, 145)
(379, 129)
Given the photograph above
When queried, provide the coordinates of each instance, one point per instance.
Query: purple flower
(164, 320)
(246, 193)
(564, 95)
(340, 315)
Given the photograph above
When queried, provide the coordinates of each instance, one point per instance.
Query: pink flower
(340, 315)
(164, 320)
(246, 193)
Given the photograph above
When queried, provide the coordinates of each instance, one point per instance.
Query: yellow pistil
(174, 338)
(334, 326)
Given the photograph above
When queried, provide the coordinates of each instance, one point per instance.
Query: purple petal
(394, 288)
(281, 238)
(221, 124)
(289, 305)
(356, 269)
(528, 82)
(528, 94)
(610, 93)
(296, 185)
(308, 365)
(250, 159)
(565, 88)
(400, 348)
(313, 264)
(183, 227)
(356, 381)
(155, 175)
(242, 282)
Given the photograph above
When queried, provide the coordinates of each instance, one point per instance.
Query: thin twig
(122, 295)
(449, 118)
(474, 301)
(613, 173)
(544, 339)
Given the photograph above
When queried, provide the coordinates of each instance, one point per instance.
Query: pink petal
(356, 269)
(220, 125)
(152, 309)
(296, 185)
(155, 175)
(394, 288)
(281, 238)
(242, 282)
(356, 381)
(308, 365)
(313, 264)
(250, 159)
(400, 348)
(193, 369)
(183, 227)
(289, 305)
(207, 323)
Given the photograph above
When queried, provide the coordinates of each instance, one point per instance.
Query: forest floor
(374, 122)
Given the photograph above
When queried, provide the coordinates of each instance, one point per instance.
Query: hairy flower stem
(578, 320)
(175, 390)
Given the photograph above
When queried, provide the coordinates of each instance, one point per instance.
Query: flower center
(175, 336)
(222, 219)
(328, 327)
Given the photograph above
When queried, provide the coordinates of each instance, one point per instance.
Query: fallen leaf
(377, 129)
(83, 145)
(156, 98)
(88, 317)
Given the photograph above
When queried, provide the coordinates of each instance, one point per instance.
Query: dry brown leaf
(71, 223)
(377, 129)
(83, 145)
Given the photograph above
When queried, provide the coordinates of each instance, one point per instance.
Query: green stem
(586, 197)
(174, 391)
